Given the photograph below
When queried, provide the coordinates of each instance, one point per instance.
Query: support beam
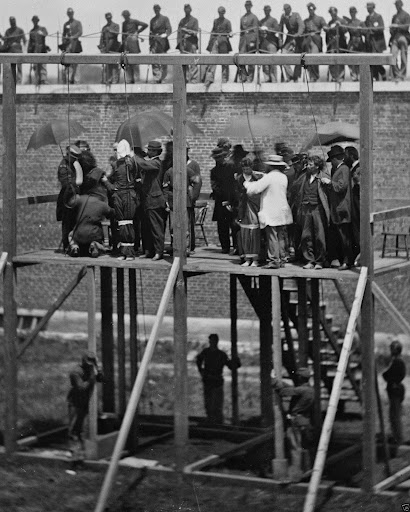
(234, 347)
(302, 322)
(315, 305)
(366, 257)
(107, 340)
(10, 246)
(265, 352)
(280, 463)
(92, 347)
(121, 342)
(181, 426)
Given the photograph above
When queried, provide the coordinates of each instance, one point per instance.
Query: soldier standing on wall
(37, 44)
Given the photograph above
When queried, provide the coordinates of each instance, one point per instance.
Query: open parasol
(332, 133)
(139, 129)
(54, 132)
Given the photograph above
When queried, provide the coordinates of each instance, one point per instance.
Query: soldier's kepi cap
(267, 8)
(154, 144)
(370, 4)
(311, 5)
(248, 2)
(353, 9)
(35, 18)
(70, 9)
(157, 6)
(221, 9)
(286, 6)
(125, 13)
(187, 6)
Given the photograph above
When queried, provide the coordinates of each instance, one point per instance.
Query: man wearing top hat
(187, 41)
(374, 40)
(72, 31)
(293, 44)
(219, 43)
(356, 40)
(37, 44)
(248, 42)
(14, 39)
(339, 193)
(159, 31)
(131, 28)
(399, 41)
(269, 42)
(312, 42)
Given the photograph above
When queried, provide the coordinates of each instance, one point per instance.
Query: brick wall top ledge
(285, 88)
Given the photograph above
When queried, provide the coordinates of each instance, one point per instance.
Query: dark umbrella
(139, 129)
(332, 133)
(248, 127)
(54, 132)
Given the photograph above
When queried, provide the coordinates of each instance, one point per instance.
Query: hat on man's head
(224, 142)
(299, 157)
(219, 152)
(286, 6)
(248, 2)
(276, 161)
(221, 9)
(332, 9)
(238, 151)
(35, 18)
(353, 9)
(267, 8)
(213, 337)
(187, 6)
(12, 18)
(126, 13)
(89, 358)
(370, 4)
(311, 4)
(70, 9)
(334, 151)
(74, 151)
(83, 145)
(157, 6)
(154, 144)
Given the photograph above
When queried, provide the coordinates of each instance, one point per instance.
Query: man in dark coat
(187, 41)
(356, 40)
(109, 44)
(269, 42)
(394, 376)
(375, 41)
(72, 31)
(312, 42)
(293, 43)
(219, 43)
(37, 44)
(224, 194)
(353, 162)
(248, 41)
(131, 28)
(14, 39)
(153, 200)
(211, 362)
(159, 31)
(335, 43)
(399, 41)
(339, 190)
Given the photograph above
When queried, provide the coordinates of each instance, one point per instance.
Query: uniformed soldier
(14, 39)
(293, 43)
(131, 28)
(219, 43)
(37, 44)
(109, 44)
(269, 42)
(312, 42)
(187, 41)
(375, 41)
(356, 40)
(399, 41)
(248, 42)
(159, 31)
(336, 41)
(72, 31)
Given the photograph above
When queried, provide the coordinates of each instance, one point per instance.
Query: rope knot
(302, 60)
(124, 60)
(62, 59)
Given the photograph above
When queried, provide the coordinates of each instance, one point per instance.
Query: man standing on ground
(399, 42)
(248, 42)
(109, 44)
(293, 43)
(14, 39)
(131, 28)
(211, 362)
(269, 42)
(187, 41)
(72, 31)
(394, 376)
(312, 42)
(219, 43)
(356, 42)
(37, 44)
(375, 41)
(159, 31)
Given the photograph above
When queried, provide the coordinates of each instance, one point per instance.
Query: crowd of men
(287, 34)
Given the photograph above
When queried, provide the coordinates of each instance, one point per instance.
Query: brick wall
(101, 115)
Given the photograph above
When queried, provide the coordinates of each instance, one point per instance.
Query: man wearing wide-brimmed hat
(275, 213)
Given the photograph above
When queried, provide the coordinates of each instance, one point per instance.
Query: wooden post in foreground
(265, 351)
(92, 347)
(302, 322)
(121, 342)
(132, 287)
(366, 257)
(234, 347)
(107, 340)
(315, 304)
(180, 291)
(280, 463)
(10, 246)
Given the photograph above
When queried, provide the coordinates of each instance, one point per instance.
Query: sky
(52, 14)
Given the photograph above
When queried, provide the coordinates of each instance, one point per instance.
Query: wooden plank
(345, 301)
(366, 245)
(53, 308)
(393, 213)
(234, 348)
(265, 351)
(121, 342)
(180, 225)
(107, 340)
(284, 297)
(3, 262)
(10, 246)
(390, 308)
(316, 345)
(137, 389)
(132, 286)
(302, 322)
(203, 463)
(92, 347)
(101, 447)
(320, 459)
(280, 463)
(203, 59)
(393, 480)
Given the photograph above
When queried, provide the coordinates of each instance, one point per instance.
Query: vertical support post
(121, 342)
(302, 322)
(107, 340)
(366, 257)
(280, 466)
(10, 246)
(315, 304)
(92, 347)
(132, 285)
(181, 426)
(234, 347)
(265, 352)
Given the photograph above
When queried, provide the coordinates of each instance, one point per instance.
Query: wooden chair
(200, 217)
(398, 229)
